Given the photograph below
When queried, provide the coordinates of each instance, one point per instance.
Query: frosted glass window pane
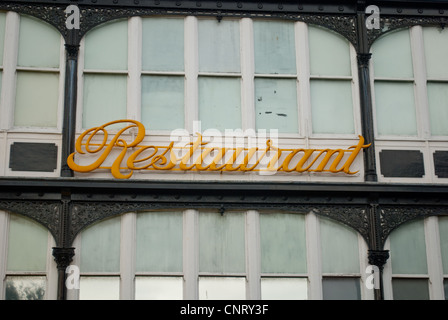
(27, 245)
(25, 288)
(163, 102)
(443, 231)
(391, 55)
(159, 242)
(163, 44)
(158, 288)
(221, 242)
(395, 100)
(2, 35)
(436, 50)
(276, 104)
(106, 46)
(329, 53)
(332, 107)
(339, 245)
(408, 249)
(104, 99)
(39, 44)
(341, 289)
(283, 243)
(222, 288)
(36, 99)
(438, 107)
(284, 288)
(219, 103)
(410, 289)
(100, 247)
(274, 47)
(219, 46)
(99, 288)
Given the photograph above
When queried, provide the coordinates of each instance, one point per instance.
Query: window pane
(222, 288)
(443, 231)
(159, 242)
(106, 47)
(339, 244)
(2, 35)
(395, 100)
(408, 249)
(341, 289)
(104, 99)
(392, 55)
(25, 288)
(100, 247)
(99, 288)
(283, 243)
(410, 289)
(274, 47)
(219, 103)
(36, 99)
(219, 46)
(332, 107)
(163, 102)
(276, 104)
(163, 44)
(158, 288)
(27, 245)
(445, 286)
(329, 53)
(221, 242)
(284, 288)
(438, 107)
(39, 44)
(436, 50)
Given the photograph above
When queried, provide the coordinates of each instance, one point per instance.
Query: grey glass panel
(410, 289)
(341, 289)
(284, 288)
(100, 247)
(332, 106)
(221, 242)
(435, 41)
(163, 44)
(27, 245)
(395, 100)
(220, 103)
(438, 107)
(392, 55)
(274, 47)
(158, 288)
(445, 287)
(222, 288)
(99, 288)
(159, 241)
(339, 244)
(443, 232)
(276, 105)
(163, 102)
(39, 44)
(329, 53)
(36, 99)
(283, 243)
(106, 46)
(104, 99)
(25, 287)
(219, 46)
(408, 249)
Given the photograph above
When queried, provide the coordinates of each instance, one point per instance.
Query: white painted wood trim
(253, 255)
(191, 254)
(314, 257)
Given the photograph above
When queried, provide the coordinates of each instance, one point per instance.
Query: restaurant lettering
(199, 155)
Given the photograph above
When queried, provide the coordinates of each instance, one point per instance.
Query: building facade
(223, 149)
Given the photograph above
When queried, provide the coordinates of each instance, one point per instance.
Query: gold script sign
(193, 155)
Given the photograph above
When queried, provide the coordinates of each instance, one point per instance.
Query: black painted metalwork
(66, 206)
